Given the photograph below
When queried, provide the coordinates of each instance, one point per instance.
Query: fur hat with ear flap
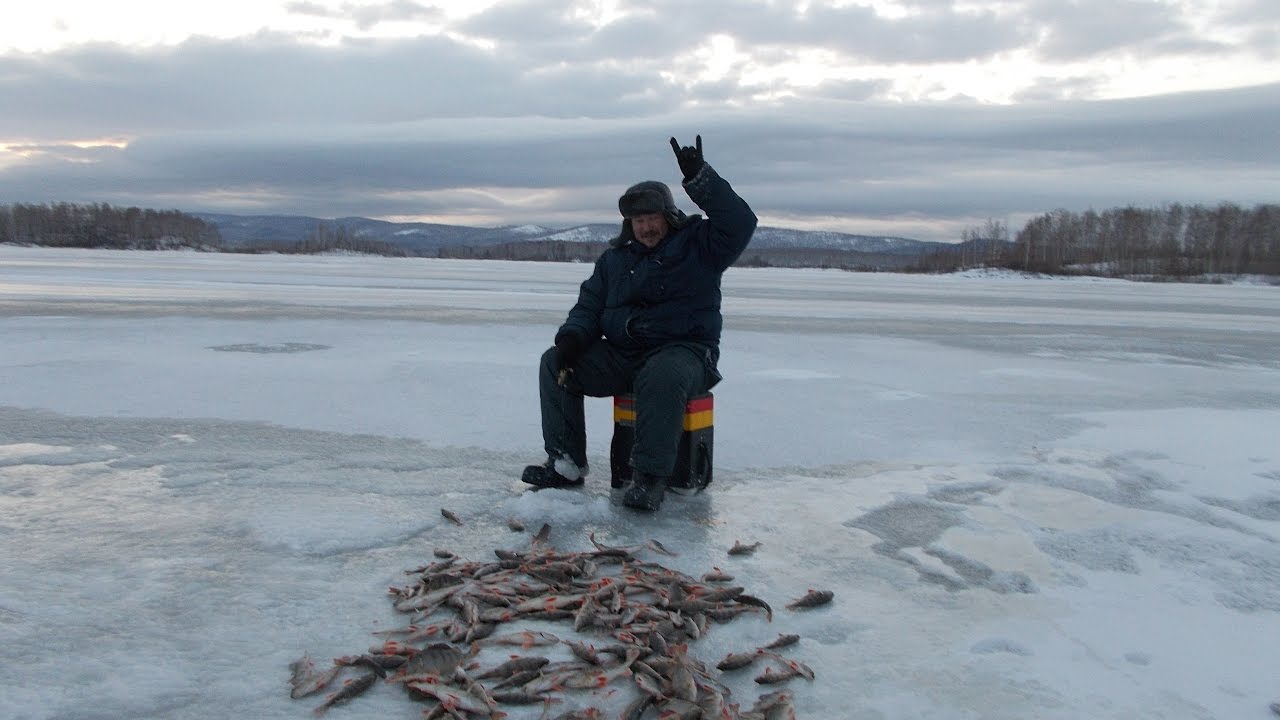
(645, 198)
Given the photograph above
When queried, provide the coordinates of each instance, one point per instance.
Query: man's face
(650, 228)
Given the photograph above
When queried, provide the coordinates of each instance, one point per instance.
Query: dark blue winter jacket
(639, 298)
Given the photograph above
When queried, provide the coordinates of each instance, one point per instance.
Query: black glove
(569, 348)
(690, 158)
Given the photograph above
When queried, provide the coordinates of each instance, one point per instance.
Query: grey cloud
(1266, 41)
(1050, 89)
(366, 17)
(1258, 21)
(541, 32)
(531, 21)
(542, 29)
(219, 84)
(551, 132)
(563, 71)
(1087, 28)
(1252, 12)
(849, 90)
(1187, 45)
(810, 157)
(937, 36)
(310, 9)
(929, 4)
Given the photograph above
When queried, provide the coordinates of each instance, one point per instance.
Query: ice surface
(1031, 497)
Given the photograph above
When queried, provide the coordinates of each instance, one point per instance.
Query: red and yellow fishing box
(693, 458)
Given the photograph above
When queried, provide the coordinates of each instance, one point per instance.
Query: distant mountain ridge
(427, 239)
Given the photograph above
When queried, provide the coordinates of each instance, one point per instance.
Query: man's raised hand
(690, 158)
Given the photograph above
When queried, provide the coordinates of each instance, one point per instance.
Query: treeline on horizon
(587, 252)
(1175, 241)
(105, 226)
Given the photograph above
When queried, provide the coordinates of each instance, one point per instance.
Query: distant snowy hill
(770, 237)
(428, 238)
(417, 238)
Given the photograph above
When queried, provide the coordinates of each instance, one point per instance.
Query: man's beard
(650, 239)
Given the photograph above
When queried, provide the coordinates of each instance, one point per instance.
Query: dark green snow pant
(662, 381)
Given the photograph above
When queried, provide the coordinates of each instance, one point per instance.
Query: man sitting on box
(647, 322)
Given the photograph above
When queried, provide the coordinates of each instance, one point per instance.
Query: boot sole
(532, 477)
(553, 486)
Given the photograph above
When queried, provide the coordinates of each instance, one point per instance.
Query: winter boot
(554, 474)
(646, 492)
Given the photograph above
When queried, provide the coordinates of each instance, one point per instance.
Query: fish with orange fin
(306, 679)
(717, 575)
(524, 639)
(769, 677)
(781, 642)
(595, 679)
(813, 598)
(795, 666)
(350, 689)
(737, 661)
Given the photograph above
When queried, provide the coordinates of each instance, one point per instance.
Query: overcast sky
(909, 117)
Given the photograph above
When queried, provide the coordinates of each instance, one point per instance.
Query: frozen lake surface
(1031, 497)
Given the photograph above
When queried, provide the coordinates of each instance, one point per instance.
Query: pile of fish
(632, 622)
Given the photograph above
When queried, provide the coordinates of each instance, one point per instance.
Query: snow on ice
(1030, 498)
